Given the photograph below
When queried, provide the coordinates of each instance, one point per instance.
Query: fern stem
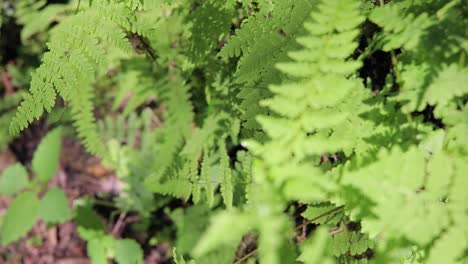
(334, 210)
(247, 256)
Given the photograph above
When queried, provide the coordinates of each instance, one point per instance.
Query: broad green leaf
(13, 180)
(127, 251)
(46, 157)
(20, 217)
(86, 218)
(54, 207)
(97, 251)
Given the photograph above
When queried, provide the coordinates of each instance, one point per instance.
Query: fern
(211, 20)
(273, 115)
(308, 108)
(416, 203)
(276, 25)
(184, 179)
(7, 106)
(299, 132)
(136, 85)
(127, 130)
(263, 40)
(422, 27)
(76, 54)
(176, 130)
(36, 16)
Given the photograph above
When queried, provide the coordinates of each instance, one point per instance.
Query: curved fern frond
(77, 53)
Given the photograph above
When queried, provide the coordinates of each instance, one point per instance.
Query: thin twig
(117, 225)
(146, 47)
(334, 210)
(251, 253)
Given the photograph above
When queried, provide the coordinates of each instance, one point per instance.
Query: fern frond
(414, 202)
(211, 20)
(265, 38)
(176, 130)
(184, 179)
(7, 106)
(402, 29)
(309, 106)
(126, 130)
(36, 16)
(418, 74)
(76, 55)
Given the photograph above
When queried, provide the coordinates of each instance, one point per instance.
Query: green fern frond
(185, 178)
(76, 55)
(414, 207)
(309, 106)
(422, 32)
(7, 107)
(126, 130)
(211, 20)
(402, 29)
(176, 130)
(36, 16)
(265, 38)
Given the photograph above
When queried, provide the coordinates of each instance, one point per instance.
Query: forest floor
(79, 175)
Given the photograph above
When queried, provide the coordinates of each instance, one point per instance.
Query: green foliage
(36, 16)
(54, 207)
(20, 217)
(190, 224)
(180, 260)
(101, 246)
(47, 155)
(314, 249)
(124, 251)
(128, 251)
(264, 39)
(13, 180)
(82, 41)
(234, 223)
(27, 207)
(7, 111)
(179, 150)
(249, 111)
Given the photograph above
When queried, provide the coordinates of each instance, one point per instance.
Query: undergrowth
(319, 131)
